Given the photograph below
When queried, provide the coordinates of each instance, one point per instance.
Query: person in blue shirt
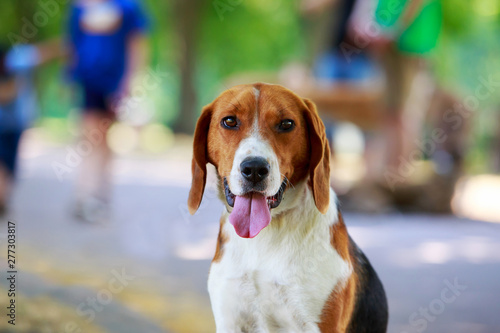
(107, 48)
(18, 103)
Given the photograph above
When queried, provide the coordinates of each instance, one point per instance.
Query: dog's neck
(298, 207)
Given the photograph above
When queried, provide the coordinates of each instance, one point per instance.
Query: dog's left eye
(230, 122)
(286, 125)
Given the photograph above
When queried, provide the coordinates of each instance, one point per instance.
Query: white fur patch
(280, 280)
(255, 146)
(256, 92)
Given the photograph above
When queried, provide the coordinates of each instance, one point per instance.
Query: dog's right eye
(230, 122)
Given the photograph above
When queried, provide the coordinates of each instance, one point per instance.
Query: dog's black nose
(255, 169)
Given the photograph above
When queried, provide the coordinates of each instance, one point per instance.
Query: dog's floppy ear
(200, 159)
(319, 168)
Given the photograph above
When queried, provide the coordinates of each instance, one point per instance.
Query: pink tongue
(250, 215)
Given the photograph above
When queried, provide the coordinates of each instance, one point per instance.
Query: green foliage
(17, 15)
(254, 35)
(456, 15)
(262, 35)
(468, 53)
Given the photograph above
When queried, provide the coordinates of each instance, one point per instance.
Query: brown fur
(221, 240)
(340, 304)
(339, 307)
(339, 238)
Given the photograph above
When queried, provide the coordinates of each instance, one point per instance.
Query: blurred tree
(188, 13)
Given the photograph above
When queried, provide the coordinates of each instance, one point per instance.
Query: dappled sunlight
(203, 250)
(474, 250)
(178, 310)
(486, 7)
(153, 138)
(122, 138)
(434, 252)
(44, 314)
(348, 165)
(478, 197)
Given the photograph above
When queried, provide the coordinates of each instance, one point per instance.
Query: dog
(284, 261)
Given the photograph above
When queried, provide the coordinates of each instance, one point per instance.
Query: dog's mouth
(252, 211)
(272, 202)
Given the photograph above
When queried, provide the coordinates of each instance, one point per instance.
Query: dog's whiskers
(287, 181)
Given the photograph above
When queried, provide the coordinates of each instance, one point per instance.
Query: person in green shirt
(414, 25)
(408, 32)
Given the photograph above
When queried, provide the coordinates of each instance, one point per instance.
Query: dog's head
(261, 139)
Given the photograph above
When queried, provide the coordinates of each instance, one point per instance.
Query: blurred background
(409, 91)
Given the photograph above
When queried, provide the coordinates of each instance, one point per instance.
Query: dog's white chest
(275, 282)
(254, 303)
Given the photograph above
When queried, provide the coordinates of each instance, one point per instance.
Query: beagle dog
(284, 260)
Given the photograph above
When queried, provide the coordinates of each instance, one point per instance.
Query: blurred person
(338, 67)
(18, 103)
(409, 32)
(399, 36)
(404, 33)
(108, 48)
(338, 63)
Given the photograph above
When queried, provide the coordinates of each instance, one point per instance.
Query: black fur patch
(370, 313)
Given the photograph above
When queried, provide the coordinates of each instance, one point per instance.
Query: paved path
(166, 253)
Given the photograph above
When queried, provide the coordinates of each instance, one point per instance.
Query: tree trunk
(188, 14)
